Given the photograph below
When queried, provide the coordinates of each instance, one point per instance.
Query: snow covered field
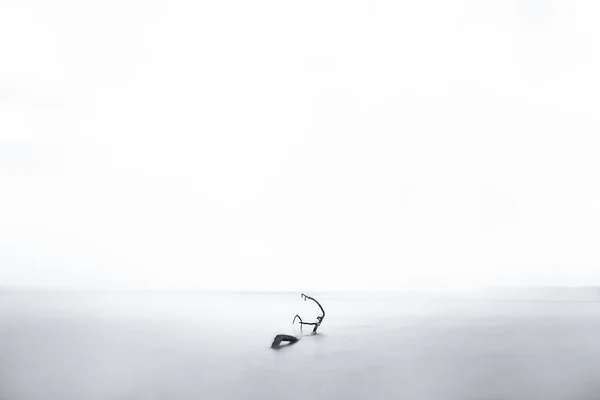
(198, 345)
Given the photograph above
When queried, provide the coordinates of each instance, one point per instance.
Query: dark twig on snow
(319, 319)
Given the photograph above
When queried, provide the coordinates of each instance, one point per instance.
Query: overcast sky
(299, 145)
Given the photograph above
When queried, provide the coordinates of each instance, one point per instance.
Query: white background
(299, 145)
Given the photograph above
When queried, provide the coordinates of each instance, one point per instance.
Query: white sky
(299, 145)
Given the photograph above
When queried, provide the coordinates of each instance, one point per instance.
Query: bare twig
(319, 319)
